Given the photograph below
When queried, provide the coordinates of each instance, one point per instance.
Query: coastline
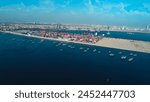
(130, 45)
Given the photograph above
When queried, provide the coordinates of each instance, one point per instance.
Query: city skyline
(103, 12)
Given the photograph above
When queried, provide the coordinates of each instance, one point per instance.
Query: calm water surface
(26, 60)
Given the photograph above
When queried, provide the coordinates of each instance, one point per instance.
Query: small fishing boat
(13, 39)
(85, 51)
(81, 48)
(130, 33)
(99, 51)
(94, 50)
(135, 55)
(72, 47)
(108, 33)
(111, 54)
(61, 49)
(64, 44)
(87, 48)
(131, 54)
(120, 53)
(123, 57)
(58, 45)
(130, 59)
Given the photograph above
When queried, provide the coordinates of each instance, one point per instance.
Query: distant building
(147, 27)
(59, 26)
(122, 28)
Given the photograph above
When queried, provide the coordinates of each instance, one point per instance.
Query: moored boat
(123, 57)
(108, 33)
(111, 54)
(99, 51)
(130, 59)
(120, 53)
(85, 51)
(94, 50)
(81, 48)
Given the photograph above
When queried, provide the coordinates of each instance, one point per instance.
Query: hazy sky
(108, 12)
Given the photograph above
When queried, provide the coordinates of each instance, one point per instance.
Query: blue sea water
(25, 60)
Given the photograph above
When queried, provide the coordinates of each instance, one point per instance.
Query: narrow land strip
(131, 45)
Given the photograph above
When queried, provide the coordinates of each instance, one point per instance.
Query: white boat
(64, 44)
(108, 33)
(123, 57)
(111, 54)
(13, 39)
(99, 51)
(85, 51)
(61, 49)
(58, 44)
(109, 51)
(94, 50)
(87, 48)
(131, 54)
(96, 33)
(81, 48)
(130, 33)
(130, 59)
(71, 47)
(120, 53)
(29, 34)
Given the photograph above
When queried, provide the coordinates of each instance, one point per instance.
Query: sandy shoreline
(131, 45)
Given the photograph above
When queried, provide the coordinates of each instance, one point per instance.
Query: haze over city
(104, 12)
